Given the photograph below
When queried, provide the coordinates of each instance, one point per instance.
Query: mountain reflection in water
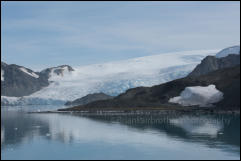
(149, 136)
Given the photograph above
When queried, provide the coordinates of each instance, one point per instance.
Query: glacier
(21, 101)
(116, 77)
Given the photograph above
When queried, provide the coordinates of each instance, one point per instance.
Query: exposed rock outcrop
(211, 63)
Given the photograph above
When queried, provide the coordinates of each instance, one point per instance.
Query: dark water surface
(72, 136)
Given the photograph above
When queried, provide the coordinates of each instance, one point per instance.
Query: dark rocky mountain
(212, 63)
(226, 80)
(18, 81)
(89, 98)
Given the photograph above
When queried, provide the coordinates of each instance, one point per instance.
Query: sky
(44, 34)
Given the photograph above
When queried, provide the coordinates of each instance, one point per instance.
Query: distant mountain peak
(227, 51)
(212, 63)
(58, 71)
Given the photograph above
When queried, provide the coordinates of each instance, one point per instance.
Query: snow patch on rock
(55, 76)
(2, 75)
(32, 74)
(198, 95)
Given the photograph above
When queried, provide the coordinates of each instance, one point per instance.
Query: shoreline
(139, 111)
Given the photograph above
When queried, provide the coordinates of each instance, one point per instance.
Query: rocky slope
(88, 99)
(212, 63)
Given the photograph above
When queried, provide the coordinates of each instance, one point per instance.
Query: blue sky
(43, 34)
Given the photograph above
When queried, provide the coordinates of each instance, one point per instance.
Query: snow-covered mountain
(19, 81)
(57, 72)
(227, 51)
(114, 78)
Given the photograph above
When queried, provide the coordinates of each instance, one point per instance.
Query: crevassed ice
(19, 101)
(116, 77)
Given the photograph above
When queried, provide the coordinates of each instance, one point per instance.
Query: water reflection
(212, 134)
(2, 135)
(18, 127)
(208, 129)
(198, 125)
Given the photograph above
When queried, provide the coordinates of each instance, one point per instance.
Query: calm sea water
(72, 136)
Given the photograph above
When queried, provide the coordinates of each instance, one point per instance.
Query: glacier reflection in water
(71, 136)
